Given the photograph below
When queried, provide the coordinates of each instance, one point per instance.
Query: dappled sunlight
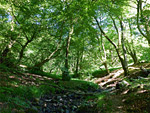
(38, 76)
(142, 91)
(14, 85)
(134, 68)
(22, 79)
(120, 107)
(125, 92)
(110, 79)
(12, 77)
(118, 73)
(111, 85)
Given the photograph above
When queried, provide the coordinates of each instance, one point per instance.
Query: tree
(143, 21)
(130, 45)
(124, 59)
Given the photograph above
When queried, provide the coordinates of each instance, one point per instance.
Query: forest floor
(31, 93)
(127, 94)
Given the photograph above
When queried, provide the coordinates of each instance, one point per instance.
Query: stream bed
(64, 102)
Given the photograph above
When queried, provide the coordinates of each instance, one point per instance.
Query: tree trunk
(77, 64)
(26, 44)
(6, 51)
(40, 64)
(4, 54)
(117, 50)
(139, 12)
(134, 57)
(22, 51)
(124, 50)
(65, 74)
(130, 49)
(105, 59)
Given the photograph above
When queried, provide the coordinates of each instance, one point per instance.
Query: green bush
(102, 73)
(99, 73)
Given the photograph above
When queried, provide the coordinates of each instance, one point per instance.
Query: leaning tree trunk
(117, 50)
(131, 51)
(124, 62)
(42, 62)
(146, 24)
(21, 54)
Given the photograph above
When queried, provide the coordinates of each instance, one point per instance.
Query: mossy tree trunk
(125, 62)
(65, 73)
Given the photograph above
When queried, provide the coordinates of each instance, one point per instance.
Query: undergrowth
(102, 72)
(42, 73)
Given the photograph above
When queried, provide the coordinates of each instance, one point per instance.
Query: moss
(78, 85)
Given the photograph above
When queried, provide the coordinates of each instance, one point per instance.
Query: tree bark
(26, 44)
(65, 74)
(105, 58)
(6, 51)
(124, 50)
(4, 54)
(77, 64)
(131, 51)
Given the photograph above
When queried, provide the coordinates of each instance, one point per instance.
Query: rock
(59, 102)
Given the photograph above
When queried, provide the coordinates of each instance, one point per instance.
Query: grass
(16, 95)
(16, 98)
(98, 104)
(78, 85)
(102, 73)
(20, 98)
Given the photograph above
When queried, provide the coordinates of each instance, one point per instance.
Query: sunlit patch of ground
(110, 79)
(117, 75)
(21, 79)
